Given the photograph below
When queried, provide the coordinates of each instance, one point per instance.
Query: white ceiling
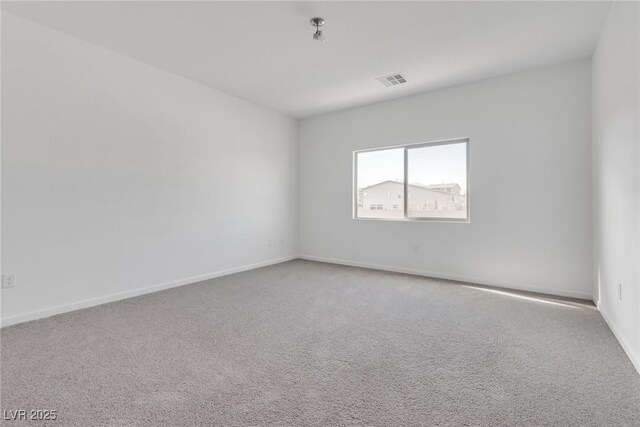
(263, 51)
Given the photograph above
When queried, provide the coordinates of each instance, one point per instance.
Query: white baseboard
(633, 356)
(436, 275)
(65, 308)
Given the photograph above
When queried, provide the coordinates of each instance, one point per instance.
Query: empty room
(336, 213)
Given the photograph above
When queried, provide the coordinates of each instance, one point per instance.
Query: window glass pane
(379, 184)
(437, 177)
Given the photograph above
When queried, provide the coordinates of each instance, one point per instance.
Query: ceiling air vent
(392, 80)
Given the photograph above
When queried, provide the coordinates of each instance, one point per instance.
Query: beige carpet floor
(305, 343)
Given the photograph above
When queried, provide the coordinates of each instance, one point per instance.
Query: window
(420, 181)
(379, 175)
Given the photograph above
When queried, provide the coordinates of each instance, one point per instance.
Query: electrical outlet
(270, 243)
(9, 280)
(620, 291)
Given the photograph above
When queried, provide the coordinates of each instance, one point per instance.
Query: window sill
(450, 220)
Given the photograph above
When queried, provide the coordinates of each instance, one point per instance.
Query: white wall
(616, 180)
(530, 183)
(117, 176)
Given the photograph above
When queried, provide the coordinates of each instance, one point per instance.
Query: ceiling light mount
(317, 22)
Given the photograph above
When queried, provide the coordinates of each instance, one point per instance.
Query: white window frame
(406, 148)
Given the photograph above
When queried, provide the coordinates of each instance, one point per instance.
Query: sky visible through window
(378, 166)
(436, 164)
